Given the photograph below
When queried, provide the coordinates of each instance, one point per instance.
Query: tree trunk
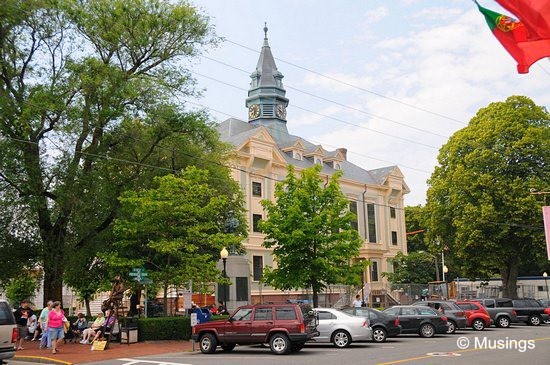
(53, 277)
(315, 297)
(165, 300)
(509, 275)
(88, 310)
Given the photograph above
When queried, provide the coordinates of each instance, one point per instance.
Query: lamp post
(545, 275)
(231, 225)
(445, 270)
(223, 255)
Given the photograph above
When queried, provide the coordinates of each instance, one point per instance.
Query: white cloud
(377, 14)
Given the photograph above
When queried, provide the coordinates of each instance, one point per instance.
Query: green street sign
(139, 274)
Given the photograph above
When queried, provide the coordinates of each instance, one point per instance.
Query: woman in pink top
(56, 318)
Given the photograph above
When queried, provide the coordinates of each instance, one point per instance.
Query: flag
(546, 218)
(522, 43)
(534, 14)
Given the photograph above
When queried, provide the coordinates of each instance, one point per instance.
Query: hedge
(164, 328)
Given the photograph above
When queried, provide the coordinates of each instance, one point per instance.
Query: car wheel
(227, 347)
(297, 346)
(427, 330)
(478, 324)
(503, 322)
(341, 339)
(208, 343)
(451, 327)
(379, 334)
(534, 321)
(280, 344)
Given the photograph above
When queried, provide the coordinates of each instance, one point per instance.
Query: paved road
(518, 345)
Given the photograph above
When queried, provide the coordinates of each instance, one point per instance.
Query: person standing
(56, 317)
(22, 315)
(43, 323)
(357, 303)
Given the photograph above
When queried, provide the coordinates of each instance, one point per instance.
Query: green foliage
(20, 288)
(89, 106)
(164, 328)
(415, 268)
(416, 221)
(479, 199)
(309, 229)
(175, 230)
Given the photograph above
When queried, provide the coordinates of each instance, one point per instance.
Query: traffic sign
(140, 275)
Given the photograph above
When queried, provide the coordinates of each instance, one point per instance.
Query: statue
(115, 298)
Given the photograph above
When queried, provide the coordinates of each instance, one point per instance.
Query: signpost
(141, 276)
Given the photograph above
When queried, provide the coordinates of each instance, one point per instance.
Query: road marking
(139, 361)
(431, 357)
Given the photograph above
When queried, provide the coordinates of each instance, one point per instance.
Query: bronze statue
(115, 298)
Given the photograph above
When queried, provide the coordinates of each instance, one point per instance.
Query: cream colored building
(265, 148)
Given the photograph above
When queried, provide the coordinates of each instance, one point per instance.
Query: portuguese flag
(525, 44)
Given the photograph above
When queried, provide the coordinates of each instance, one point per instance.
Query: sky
(390, 81)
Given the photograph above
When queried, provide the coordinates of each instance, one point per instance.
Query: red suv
(283, 326)
(477, 316)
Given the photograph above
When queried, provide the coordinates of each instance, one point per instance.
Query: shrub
(164, 328)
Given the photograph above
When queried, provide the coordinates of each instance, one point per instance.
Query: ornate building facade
(264, 148)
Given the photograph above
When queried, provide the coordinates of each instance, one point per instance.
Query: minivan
(8, 331)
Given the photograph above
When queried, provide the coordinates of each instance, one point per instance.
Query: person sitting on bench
(107, 326)
(89, 333)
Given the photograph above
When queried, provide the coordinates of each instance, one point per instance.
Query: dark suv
(501, 310)
(456, 317)
(530, 311)
(283, 326)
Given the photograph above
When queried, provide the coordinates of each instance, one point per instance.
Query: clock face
(254, 111)
(281, 111)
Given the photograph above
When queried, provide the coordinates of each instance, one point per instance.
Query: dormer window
(337, 166)
(297, 156)
(318, 161)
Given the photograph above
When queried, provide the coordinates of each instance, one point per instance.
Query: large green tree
(309, 228)
(416, 225)
(479, 197)
(88, 109)
(415, 268)
(177, 229)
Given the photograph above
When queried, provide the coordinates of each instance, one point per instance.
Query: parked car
(419, 319)
(546, 304)
(455, 316)
(477, 316)
(530, 311)
(8, 331)
(283, 326)
(341, 328)
(501, 310)
(382, 324)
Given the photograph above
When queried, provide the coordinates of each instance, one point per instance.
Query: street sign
(140, 275)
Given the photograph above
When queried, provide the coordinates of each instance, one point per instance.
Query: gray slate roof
(237, 132)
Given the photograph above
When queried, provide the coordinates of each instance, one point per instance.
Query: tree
(416, 225)
(88, 109)
(479, 198)
(309, 229)
(415, 268)
(22, 287)
(177, 229)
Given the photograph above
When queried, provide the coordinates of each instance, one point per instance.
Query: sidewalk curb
(41, 360)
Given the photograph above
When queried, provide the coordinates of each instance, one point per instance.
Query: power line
(238, 169)
(335, 102)
(354, 86)
(324, 115)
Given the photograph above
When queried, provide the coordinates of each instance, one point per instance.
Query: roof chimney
(344, 152)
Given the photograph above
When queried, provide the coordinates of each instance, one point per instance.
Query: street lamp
(445, 270)
(223, 255)
(545, 275)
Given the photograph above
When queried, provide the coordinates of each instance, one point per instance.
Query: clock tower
(266, 100)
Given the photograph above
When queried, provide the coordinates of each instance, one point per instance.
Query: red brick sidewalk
(75, 353)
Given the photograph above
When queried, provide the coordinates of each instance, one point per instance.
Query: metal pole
(546, 283)
(443, 264)
(225, 284)
(145, 302)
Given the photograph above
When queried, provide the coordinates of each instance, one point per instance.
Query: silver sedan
(341, 328)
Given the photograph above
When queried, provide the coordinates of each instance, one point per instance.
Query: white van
(8, 331)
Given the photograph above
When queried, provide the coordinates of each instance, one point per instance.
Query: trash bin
(129, 331)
